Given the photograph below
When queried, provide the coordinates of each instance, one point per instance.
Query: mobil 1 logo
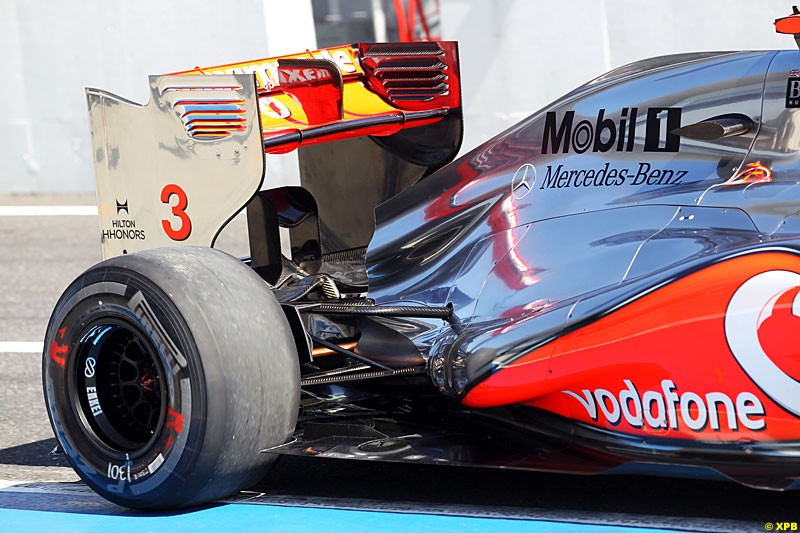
(563, 134)
(793, 92)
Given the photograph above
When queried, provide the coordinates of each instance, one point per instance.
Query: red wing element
(789, 25)
(348, 91)
(414, 76)
(315, 84)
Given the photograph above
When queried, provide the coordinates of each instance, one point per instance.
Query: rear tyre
(166, 372)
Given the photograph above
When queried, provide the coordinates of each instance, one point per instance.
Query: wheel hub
(120, 386)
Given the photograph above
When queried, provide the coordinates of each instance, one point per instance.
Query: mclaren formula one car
(611, 285)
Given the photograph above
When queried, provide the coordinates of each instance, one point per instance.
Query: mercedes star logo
(523, 181)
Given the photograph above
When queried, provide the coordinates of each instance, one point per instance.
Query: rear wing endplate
(175, 170)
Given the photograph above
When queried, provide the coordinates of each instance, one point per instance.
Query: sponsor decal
(94, 402)
(89, 367)
(563, 135)
(671, 408)
(122, 228)
(269, 77)
(563, 177)
(302, 75)
(523, 181)
(761, 322)
(793, 91)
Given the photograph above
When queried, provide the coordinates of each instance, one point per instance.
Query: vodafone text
(664, 408)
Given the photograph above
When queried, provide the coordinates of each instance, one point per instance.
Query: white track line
(21, 347)
(47, 210)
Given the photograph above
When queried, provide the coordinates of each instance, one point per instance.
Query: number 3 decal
(181, 233)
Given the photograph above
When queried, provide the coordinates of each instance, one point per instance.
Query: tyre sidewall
(149, 473)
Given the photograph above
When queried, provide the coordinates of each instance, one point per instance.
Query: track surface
(40, 255)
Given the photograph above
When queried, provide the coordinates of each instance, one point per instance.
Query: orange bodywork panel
(675, 371)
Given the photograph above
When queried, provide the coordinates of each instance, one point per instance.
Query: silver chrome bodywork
(174, 140)
(619, 205)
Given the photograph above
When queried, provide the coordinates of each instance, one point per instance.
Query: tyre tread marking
(142, 309)
(158, 461)
(58, 352)
(174, 425)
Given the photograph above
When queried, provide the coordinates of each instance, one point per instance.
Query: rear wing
(175, 170)
(360, 89)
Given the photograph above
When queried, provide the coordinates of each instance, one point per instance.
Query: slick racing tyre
(166, 372)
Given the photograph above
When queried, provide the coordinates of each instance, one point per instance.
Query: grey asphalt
(39, 256)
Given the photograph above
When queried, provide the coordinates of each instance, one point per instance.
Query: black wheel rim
(120, 387)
